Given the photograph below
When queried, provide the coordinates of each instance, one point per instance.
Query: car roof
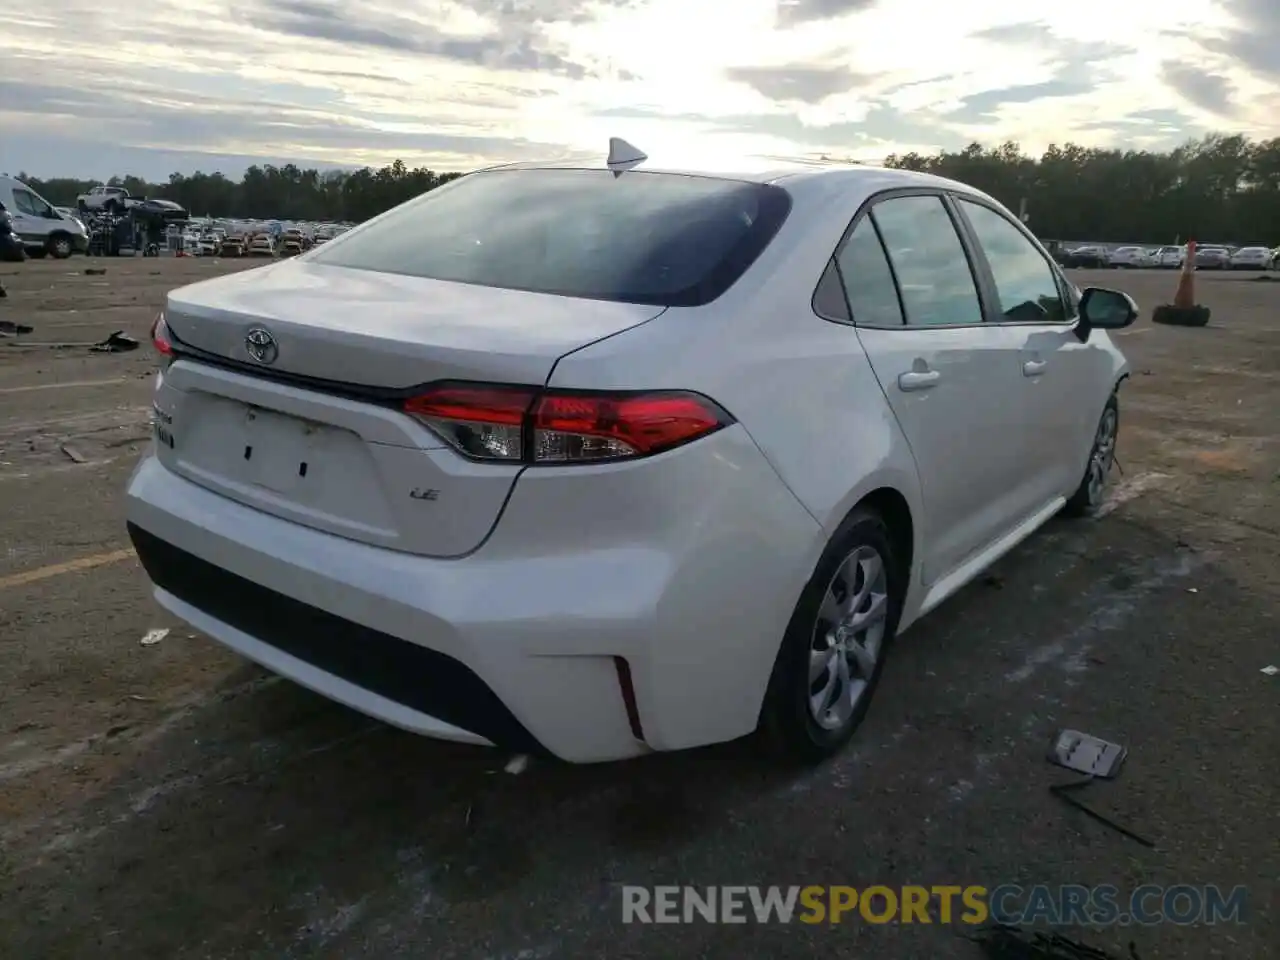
(795, 175)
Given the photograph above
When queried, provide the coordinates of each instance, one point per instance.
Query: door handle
(1033, 368)
(918, 380)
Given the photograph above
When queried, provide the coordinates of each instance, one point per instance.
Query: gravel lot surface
(170, 800)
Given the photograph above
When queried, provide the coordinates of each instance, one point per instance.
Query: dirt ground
(170, 800)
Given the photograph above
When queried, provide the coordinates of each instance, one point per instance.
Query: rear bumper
(518, 643)
(406, 683)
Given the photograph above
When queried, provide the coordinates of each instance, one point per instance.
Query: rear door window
(868, 279)
(928, 257)
(828, 299)
(654, 238)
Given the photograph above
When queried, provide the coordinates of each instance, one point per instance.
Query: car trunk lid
(316, 435)
(387, 331)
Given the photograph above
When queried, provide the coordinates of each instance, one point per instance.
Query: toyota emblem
(261, 345)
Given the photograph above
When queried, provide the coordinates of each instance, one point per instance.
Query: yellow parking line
(59, 386)
(67, 566)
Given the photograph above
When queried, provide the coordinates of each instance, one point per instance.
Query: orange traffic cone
(1185, 297)
(1184, 311)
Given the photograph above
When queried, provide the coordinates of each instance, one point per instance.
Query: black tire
(1089, 495)
(1171, 316)
(60, 246)
(788, 729)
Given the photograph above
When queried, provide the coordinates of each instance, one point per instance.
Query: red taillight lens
(516, 424)
(569, 427)
(160, 337)
(486, 423)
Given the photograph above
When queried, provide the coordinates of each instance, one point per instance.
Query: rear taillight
(571, 427)
(527, 425)
(160, 338)
(486, 423)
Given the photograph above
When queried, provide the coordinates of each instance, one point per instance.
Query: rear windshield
(653, 238)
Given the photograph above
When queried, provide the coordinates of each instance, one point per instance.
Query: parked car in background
(103, 199)
(262, 245)
(1170, 258)
(1130, 258)
(37, 223)
(1251, 258)
(1212, 258)
(116, 201)
(1089, 255)
(232, 246)
(372, 462)
(165, 211)
(291, 243)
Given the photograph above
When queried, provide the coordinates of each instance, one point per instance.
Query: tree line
(1220, 188)
(287, 192)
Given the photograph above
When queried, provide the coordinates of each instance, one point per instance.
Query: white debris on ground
(152, 637)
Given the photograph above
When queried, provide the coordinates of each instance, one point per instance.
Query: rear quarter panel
(802, 386)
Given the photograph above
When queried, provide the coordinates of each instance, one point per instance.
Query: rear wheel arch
(893, 495)
(881, 521)
(893, 508)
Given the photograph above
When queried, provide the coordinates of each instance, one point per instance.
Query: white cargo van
(41, 228)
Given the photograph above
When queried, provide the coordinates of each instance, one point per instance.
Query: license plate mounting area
(282, 453)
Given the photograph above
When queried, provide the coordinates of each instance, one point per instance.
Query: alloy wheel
(1104, 454)
(848, 638)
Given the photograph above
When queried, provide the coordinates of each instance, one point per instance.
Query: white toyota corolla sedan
(596, 462)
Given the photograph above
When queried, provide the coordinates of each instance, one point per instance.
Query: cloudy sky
(96, 87)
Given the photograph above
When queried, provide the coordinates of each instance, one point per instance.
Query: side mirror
(1105, 309)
